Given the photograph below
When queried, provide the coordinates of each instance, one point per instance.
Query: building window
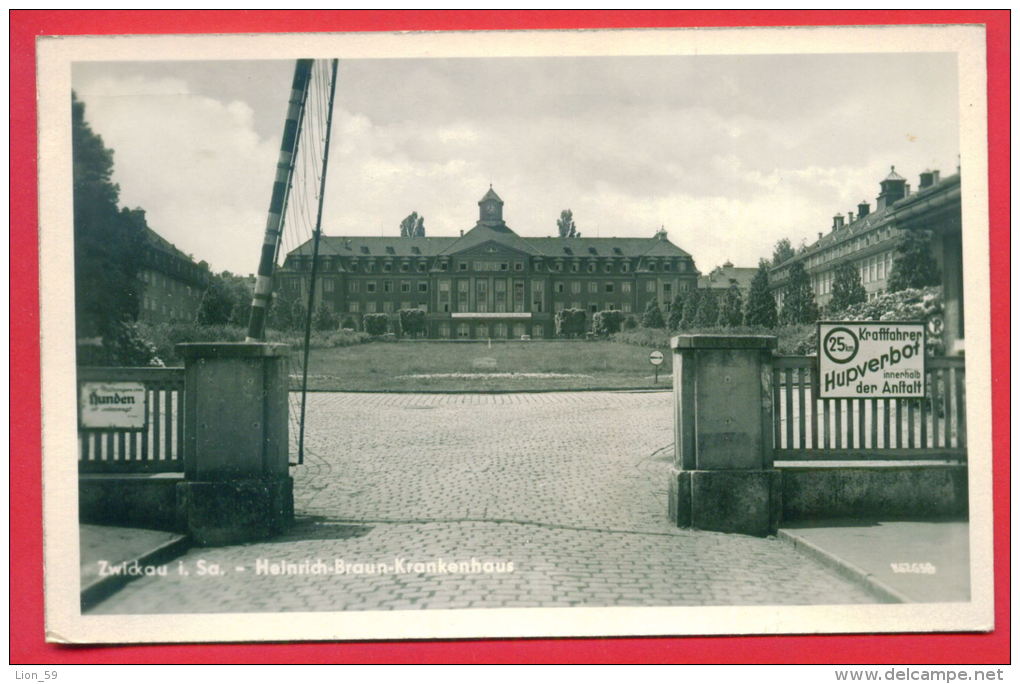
(518, 265)
(387, 286)
(559, 288)
(537, 298)
(404, 266)
(575, 267)
(575, 287)
(625, 288)
(463, 265)
(650, 286)
(369, 307)
(482, 295)
(327, 284)
(667, 288)
(443, 266)
(405, 285)
(593, 287)
(370, 286)
(609, 288)
(422, 266)
(591, 268)
(651, 267)
(387, 267)
(423, 286)
(667, 266)
(387, 307)
(519, 296)
(462, 295)
(575, 305)
(608, 268)
(625, 267)
(352, 286)
(353, 307)
(405, 305)
(559, 268)
(626, 307)
(537, 331)
(593, 308)
(463, 330)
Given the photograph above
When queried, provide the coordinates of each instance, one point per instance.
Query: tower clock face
(490, 209)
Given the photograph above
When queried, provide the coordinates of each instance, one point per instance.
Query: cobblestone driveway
(569, 487)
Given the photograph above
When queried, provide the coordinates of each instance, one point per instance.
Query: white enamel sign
(872, 360)
(112, 405)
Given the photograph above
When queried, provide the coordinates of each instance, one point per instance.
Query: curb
(104, 587)
(883, 592)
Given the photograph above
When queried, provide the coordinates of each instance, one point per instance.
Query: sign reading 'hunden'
(877, 360)
(112, 405)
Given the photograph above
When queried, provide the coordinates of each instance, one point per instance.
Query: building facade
(721, 278)
(869, 239)
(489, 282)
(173, 283)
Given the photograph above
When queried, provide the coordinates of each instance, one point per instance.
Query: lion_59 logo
(840, 345)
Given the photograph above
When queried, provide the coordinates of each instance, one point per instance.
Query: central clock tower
(490, 208)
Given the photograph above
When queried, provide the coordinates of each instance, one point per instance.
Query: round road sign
(655, 358)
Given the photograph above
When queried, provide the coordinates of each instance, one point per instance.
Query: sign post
(871, 359)
(655, 358)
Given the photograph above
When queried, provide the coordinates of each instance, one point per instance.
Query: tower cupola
(490, 208)
(894, 188)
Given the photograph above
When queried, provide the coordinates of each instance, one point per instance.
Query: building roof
(491, 195)
(549, 247)
(721, 277)
(893, 176)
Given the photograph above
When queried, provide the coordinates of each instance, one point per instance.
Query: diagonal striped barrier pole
(281, 186)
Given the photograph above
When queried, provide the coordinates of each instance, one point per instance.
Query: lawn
(479, 366)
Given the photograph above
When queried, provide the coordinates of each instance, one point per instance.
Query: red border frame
(27, 643)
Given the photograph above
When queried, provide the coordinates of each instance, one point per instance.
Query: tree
(325, 319)
(708, 310)
(412, 225)
(798, 298)
(652, 317)
(731, 308)
(285, 310)
(913, 266)
(676, 311)
(109, 242)
(782, 251)
(761, 305)
(691, 303)
(847, 289)
(227, 301)
(565, 224)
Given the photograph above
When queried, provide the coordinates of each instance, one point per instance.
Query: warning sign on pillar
(873, 360)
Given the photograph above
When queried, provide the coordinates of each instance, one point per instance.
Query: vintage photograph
(515, 334)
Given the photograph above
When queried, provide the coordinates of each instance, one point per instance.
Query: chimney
(837, 222)
(927, 180)
(862, 209)
(849, 217)
(935, 177)
(462, 233)
(819, 235)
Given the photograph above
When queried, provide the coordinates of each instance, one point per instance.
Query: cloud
(194, 163)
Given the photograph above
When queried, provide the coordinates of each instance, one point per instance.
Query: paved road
(569, 487)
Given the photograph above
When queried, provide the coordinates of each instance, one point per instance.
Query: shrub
(325, 318)
(630, 324)
(917, 304)
(128, 345)
(570, 322)
(376, 324)
(607, 322)
(412, 322)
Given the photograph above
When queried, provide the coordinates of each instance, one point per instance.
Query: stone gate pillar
(237, 483)
(722, 477)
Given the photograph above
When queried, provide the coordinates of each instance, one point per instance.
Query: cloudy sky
(729, 153)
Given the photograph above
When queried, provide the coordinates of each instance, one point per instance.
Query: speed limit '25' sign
(876, 360)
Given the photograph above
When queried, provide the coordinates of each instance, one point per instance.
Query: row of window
(483, 331)
(490, 266)
(850, 246)
(873, 269)
(422, 286)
